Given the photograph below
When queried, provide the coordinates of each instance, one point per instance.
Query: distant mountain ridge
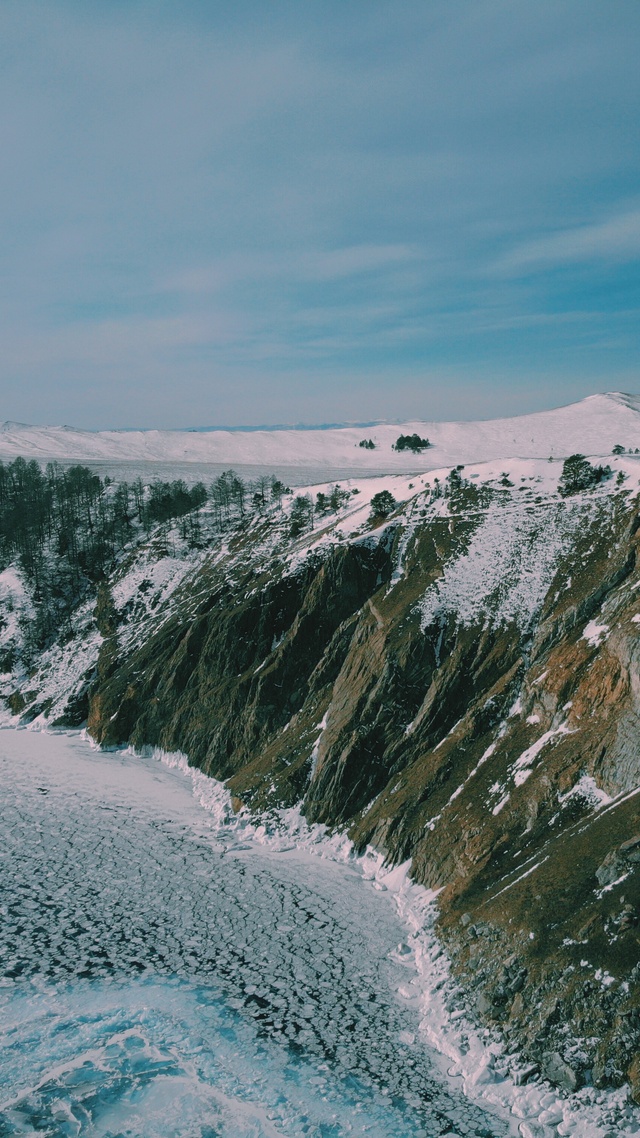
(593, 426)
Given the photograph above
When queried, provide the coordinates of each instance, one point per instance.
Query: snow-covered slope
(592, 426)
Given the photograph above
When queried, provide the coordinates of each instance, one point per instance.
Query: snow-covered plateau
(360, 848)
(593, 426)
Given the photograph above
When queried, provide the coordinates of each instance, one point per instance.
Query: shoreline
(469, 1058)
(475, 1055)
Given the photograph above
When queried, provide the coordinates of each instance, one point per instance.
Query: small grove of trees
(168, 500)
(578, 474)
(304, 510)
(231, 497)
(332, 502)
(228, 496)
(411, 442)
(619, 449)
(368, 444)
(65, 527)
(455, 479)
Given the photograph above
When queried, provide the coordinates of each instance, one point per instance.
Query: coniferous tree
(578, 474)
(301, 515)
(382, 504)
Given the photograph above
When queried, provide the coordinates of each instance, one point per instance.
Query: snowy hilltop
(594, 426)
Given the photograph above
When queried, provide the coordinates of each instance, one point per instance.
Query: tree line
(65, 527)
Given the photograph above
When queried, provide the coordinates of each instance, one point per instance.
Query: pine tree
(382, 504)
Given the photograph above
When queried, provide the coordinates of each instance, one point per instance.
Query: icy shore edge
(472, 1056)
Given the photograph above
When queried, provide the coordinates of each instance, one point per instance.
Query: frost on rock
(588, 790)
(521, 768)
(505, 573)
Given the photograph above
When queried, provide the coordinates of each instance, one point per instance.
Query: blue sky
(258, 212)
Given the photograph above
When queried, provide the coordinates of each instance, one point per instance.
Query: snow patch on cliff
(595, 633)
(507, 568)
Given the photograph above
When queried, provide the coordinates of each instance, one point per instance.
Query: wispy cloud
(615, 239)
(305, 195)
(303, 265)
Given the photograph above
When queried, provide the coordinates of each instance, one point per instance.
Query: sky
(224, 214)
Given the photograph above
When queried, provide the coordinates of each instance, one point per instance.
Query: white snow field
(592, 426)
(170, 969)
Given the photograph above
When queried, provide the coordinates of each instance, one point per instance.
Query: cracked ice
(162, 979)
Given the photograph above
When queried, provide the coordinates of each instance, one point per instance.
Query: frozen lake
(161, 977)
(150, 470)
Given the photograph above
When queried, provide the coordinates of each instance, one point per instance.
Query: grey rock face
(613, 866)
(559, 1072)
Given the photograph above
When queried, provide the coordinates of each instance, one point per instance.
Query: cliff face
(459, 685)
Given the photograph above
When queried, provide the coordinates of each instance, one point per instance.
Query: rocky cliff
(458, 684)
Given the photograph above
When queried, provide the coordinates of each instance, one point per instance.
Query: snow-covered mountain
(592, 426)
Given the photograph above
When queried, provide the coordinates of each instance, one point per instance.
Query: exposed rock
(523, 1074)
(484, 1006)
(633, 1075)
(631, 849)
(613, 866)
(559, 1072)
